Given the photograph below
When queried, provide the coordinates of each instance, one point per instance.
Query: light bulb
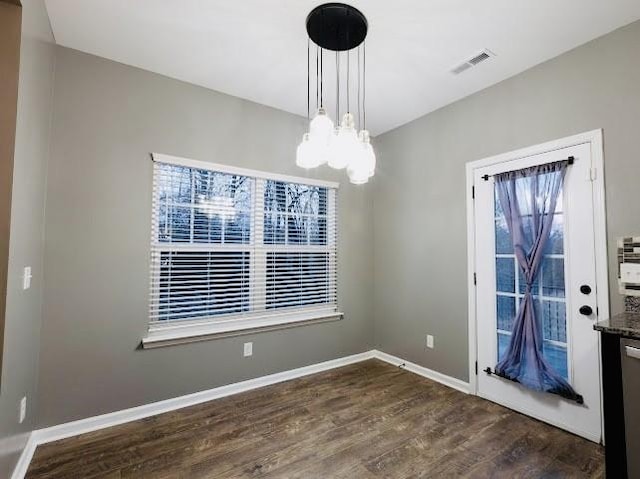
(321, 128)
(344, 146)
(322, 148)
(369, 155)
(308, 153)
(358, 168)
(332, 149)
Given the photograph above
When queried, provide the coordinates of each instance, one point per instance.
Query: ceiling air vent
(472, 62)
(479, 58)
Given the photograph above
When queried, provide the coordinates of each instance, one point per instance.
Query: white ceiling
(256, 49)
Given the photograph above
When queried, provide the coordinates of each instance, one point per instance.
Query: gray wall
(420, 245)
(107, 119)
(23, 313)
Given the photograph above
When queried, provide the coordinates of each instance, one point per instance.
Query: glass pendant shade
(357, 178)
(321, 128)
(357, 174)
(344, 146)
(308, 153)
(369, 154)
(333, 149)
(359, 166)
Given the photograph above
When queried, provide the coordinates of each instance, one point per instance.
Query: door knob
(586, 310)
(585, 289)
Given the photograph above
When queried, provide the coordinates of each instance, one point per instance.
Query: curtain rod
(577, 398)
(569, 161)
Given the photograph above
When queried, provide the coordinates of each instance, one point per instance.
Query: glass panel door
(569, 343)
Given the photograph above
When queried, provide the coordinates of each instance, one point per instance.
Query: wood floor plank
(226, 408)
(367, 420)
(361, 439)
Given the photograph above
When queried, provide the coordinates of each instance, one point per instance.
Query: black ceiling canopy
(337, 26)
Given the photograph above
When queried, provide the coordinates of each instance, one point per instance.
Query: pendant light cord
(348, 81)
(308, 76)
(337, 87)
(359, 118)
(321, 77)
(364, 85)
(317, 76)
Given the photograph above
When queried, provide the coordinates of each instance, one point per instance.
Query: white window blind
(227, 244)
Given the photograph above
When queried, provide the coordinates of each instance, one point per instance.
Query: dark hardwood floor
(368, 420)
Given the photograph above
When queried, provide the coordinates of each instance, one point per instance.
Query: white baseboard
(422, 371)
(25, 458)
(83, 426)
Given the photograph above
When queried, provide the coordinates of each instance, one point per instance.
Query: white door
(563, 293)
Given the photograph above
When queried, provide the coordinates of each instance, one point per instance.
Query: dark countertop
(625, 324)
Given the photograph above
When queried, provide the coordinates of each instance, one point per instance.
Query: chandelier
(341, 29)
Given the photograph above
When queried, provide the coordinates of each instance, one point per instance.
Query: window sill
(170, 335)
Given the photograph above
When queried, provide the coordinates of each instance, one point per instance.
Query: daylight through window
(227, 246)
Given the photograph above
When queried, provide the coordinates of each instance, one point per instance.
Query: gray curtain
(528, 200)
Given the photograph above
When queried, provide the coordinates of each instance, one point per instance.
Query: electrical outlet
(429, 341)
(23, 409)
(248, 349)
(26, 277)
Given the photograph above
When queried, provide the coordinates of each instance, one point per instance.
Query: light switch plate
(26, 277)
(248, 349)
(430, 341)
(630, 272)
(23, 409)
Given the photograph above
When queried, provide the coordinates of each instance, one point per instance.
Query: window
(235, 249)
(548, 290)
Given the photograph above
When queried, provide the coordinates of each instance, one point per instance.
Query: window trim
(186, 331)
(204, 329)
(236, 170)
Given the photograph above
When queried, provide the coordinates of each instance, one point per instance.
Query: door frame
(595, 139)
